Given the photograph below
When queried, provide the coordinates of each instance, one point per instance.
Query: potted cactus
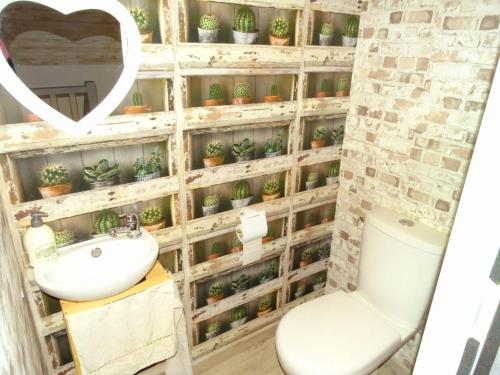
(319, 281)
(342, 88)
(101, 175)
(214, 154)
(325, 89)
(301, 289)
(267, 238)
(240, 284)
(141, 20)
(215, 251)
(138, 105)
(269, 272)
(53, 180)
(239, 316)
(242, 195)
(307, 257)
(327, 215)
(64, 238)
(326, 34)
(241, 93)
(271, 190)
(279, 34)
(275, 146)
(333, 173)
(264, 305)
(312, 180)
(319, 137)
(350, 36)
(244, 31)
(215, 292)
(215, 96)
(147, 171)
(274, 97)
(311, 220)
(105, 221)
(152, 219)
(208, 29)
(244, 150)
(213, 330)
(338, 135)
(324, 251)
(210, 204)
(236, 246)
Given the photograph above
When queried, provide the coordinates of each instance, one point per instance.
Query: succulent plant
(269, 272)
(313, 177)
(140, 18)
(279, 28)
(241, 190)
(320, 278)
(326, 85)
(327, 29)
(343, 85)
(333, 170)
(319, 133)
(308, 254)
(105, 221)
(151, 216)
(328, 213)
(236, 243)
(244, 148)
(137, 99)
(240, 284)
(301, 288)
(213, 327)
(241, 90)
(264, 303)
(245, 20)
(274, 90)
(338, 134)
(64, 236)
(216, 289)
(215, 91)
(271, 186)
(239, 313)
(101, 172)
(216, 248)
(275, 144)
(211, 200)
(324, 251)
(53, 174)
(213, 149)
(351, 27)
(141, 168)
(209, 22)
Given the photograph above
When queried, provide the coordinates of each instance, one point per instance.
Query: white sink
(99, 268)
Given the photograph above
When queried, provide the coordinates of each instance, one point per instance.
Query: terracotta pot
(308, 225)
(154, 227)
(318, 143)
(136, 109)
(214, 161)
(213, 256)
(264, 312)
(341, 93)
(147, 37)
(270, 197)
(235, 250)
(55, 190)
(267, 239)
(214, 299)
(213, 102)
(323, 94)
(31, 117)
(274, 41)
(242, 100)
(325, 220)
(272, 99)
(304, 263)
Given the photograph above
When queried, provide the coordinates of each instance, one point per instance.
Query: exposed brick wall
(421, 79)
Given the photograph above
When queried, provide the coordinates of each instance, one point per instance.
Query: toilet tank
(399, 264)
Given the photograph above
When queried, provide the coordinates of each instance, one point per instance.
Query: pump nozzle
(36, 218)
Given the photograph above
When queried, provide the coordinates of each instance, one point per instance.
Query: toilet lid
(334, 335)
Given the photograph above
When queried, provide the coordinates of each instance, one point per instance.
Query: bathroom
(356, 106)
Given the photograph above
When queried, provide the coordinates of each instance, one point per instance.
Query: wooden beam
(319, 155)
(280, 4)
(325, 106)
(317, 56)
(310, 197)
(340, 6)
(313, 233)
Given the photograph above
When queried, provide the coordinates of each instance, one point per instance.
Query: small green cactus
(326, 85)
(137, 99)
(53, 174)
(209, 22)
(279, 28)
(213, 149)
(245, 20)
(271, 187)
(216, 248)
(105, 221)
(333, 170)
(351, 27)
(140, 18)
(313, 177)
(141, 168)
(274, 90)
(151, 216)
(239, 313)
(264, 303)
(236, 244)
(338, 135)
(241, 90)
(211, 200)
(101, 172)
(213, 327)
(319, 133)
(320, 278)
(244, 148)
(240, 284)
(308, 254)
(343, 85)
(241, 190)
(327, 29)
(269, 272)
(64, 236)
(216, 289)
(324, 251)
(275, 144)
(215, 92)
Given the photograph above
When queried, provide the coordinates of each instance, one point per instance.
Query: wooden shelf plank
(319, 56)
(201, 178)
(95, 200)
(228, 303)
(319, 155)
(168, 237)
(257, 71)
(280, 4)
(53, 323)
(308, 297)
(340, 6)
(306, 271)
(311, 197)
(322, 203)
(156, 58)
(325, 106)
(225, 129)
(311, 234)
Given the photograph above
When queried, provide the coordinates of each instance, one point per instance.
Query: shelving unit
(177, 61)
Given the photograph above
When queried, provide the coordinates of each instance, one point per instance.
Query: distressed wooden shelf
(319, 155)
(280, 4)
(258, 71)
(339, 6)
(156, 58)
(325, 106)
(170, 237)
(311, 234)
(311, 269)
(329, 200)
(307, 199)
(225, 129)
(336, 56)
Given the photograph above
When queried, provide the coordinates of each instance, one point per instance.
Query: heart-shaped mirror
(69, 63)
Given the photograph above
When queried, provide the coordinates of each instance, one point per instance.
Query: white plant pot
(243, 158)
(245, 38)
(311, 185)
(211, 335)
(208, 36)
(272, 154)
(325, 40)
(241, 202)
(299, 294)
(207, 211)
(318, 286)
(348, 41)
(238, 323)
(147, 177)
(332, 180)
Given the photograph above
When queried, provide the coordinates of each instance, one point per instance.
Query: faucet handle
(132, 220)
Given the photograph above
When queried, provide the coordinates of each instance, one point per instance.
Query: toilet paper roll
(250, 232)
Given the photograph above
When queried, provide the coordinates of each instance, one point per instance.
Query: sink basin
(99, 268)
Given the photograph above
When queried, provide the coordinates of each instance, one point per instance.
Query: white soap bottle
(40, 241)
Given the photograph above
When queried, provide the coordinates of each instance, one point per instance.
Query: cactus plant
(264, 305)
(105, 221)
(240, 284)
(137, 99)
(213, 330)
(333, 170)
(214, 154)
(351, 27)
(215, 96)
(311, 220)
(279, 32)
(338, 135)
(301, 289)
(145, 171)
(312, 180)
(239, 313)
(307, 256)
(215, 251)
(210, 204)
(327, 215)
(215, 292)
(275, 146)
(324, 251)
(241, 93)
(236, 245)
(271, 190)
(274, 90)
(151, 216)
(241, 190)
(269, 272)
(327, 29)
(319, 137)
(140, 18)
(342, 87)
(244, 150)
(209, 22)
(325, 89)
(137, 105)
(101, 174)
(274, 97)
(245, 20)
(319, 281)
(64, 238)
(53, 180)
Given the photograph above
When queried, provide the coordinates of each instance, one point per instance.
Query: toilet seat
(334, 335)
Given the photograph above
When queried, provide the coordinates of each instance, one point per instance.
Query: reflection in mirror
(72, 62)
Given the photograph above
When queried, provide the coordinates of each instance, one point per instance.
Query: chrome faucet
(132, 228)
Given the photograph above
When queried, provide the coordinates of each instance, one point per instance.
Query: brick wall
(421, 79)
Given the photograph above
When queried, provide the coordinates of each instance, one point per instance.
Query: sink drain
(96, 253)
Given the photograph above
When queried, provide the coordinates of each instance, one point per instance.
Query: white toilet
(354, 333)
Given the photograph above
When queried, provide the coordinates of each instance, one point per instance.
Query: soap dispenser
(40, 241)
